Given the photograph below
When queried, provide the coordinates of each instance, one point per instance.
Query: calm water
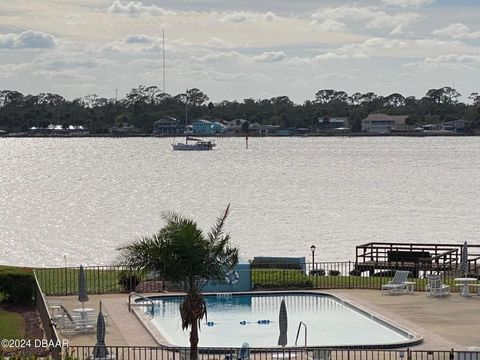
(325, 317)
(85, 197)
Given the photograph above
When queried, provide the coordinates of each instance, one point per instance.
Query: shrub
(284, 263)
(356, 272)
(17, 285)
(317, 272)
(284, 285)
(386, 273)
(128, 280)
(334, 273)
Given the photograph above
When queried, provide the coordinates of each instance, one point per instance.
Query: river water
(84, 197)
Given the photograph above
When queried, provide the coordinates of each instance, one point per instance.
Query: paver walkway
(127, 323)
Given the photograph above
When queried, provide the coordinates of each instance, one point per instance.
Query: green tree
(181, 252)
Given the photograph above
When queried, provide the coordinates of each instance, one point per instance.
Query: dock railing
(439, 257)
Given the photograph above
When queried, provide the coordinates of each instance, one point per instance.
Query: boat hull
(192, 147)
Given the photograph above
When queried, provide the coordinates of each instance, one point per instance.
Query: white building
(384, 124)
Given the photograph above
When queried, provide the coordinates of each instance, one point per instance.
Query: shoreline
(240, 135)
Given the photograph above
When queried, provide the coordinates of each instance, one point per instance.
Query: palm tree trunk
(194, 340)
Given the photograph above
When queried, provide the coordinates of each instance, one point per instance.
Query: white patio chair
(396, 285)
(435, 286)
(69, 324)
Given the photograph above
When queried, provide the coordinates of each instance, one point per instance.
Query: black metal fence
(319, 275)
(313, 353)
(51, 334)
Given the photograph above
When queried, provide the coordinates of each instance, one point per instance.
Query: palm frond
(217, 230)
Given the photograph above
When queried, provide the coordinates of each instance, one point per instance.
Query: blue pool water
(254, 319)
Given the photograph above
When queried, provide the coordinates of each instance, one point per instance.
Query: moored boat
(198, 144)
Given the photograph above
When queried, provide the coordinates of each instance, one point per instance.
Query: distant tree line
(143, 105)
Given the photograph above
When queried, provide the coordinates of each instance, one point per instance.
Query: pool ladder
(133, 293)
(298, 332)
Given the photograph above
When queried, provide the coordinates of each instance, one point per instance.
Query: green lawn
(12, 325)
(278, 278)
(58, 281)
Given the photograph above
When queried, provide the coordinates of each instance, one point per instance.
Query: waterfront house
(266, 129)
(384, 124)
(287, 132)
(326, 123)
(454, 127)
(77, 130)
(74, 130)
(123, 130)
(207, 127)
(219, 126)
(236, 125)
(167, 126)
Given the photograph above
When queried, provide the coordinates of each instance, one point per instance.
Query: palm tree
(182, 253)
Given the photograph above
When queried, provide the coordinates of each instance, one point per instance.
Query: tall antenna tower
(163, 35)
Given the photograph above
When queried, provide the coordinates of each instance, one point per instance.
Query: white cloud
(407, 3)
(136, 43)
(244, 16)
(61, 60)
(217, 57)
(331, 56)
(216, 42)
(221, 76)
(457, 31)
(28, 40)
(134, 8)
(146, 63)
(138, 39)
(454, 58)
(12, 70)
(334, 76)
(63, 75)
(331, 25)
(373, 17)
(449, 61)
(270, 56)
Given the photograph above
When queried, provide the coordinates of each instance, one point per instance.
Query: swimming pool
(253, 318)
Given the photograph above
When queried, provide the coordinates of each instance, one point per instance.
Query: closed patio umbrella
(283, 324)
(464, 260)
(100, 350)
(82, 287)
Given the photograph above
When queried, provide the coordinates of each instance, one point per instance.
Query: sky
(233, 50)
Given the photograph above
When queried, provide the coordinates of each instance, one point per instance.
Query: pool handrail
(133, 293)
(298, 332)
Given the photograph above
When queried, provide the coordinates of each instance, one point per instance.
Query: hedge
(16, 285)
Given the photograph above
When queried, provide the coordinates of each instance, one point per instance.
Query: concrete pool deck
(445, 323)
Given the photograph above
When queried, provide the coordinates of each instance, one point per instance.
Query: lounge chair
(243, 354)
(435, 286)
(69, 324)
(396, 285)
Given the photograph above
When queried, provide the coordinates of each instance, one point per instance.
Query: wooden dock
(415, 257)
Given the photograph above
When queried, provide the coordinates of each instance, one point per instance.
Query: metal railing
(100, 280)
(298, 332)
(297, 353)
(145, 299)
(51, 334)
(318, 275)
